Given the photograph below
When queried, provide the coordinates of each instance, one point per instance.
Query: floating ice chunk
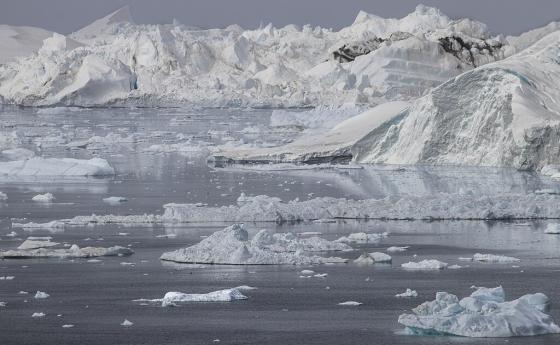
(115, 200)
(494, 258)
(39, 166)
(362, 238)
(364, 259)
(307, 273)
(381, 257)
(3, 196)
(7, 277)
(454, 267)
(552, 228)
(425, 265)
(371, 258)
(3, 304)
(485, 313)
(397, 249)
(176, 298)
(55, 224)
(40, 314)
(232, 246)
(47, 197)
(350, 303)
(36, 243)
(68, 326)
(73, 252)
(407, 293)
(41, 295)
(127, 323)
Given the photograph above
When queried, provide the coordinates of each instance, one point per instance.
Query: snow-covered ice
(39, 166)
(74, 251)
(494, 258)
(428, 265)
(485, 313)
(41, 295)
(440, 206)
(47, 197)
(552, 228)
(350, 303)
(408, 293)
(177, 298)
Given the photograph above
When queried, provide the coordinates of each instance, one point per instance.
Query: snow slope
(168, 64)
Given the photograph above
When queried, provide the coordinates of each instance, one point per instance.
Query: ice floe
(408, 293)
(425, 265)
(43, 249)
(494, 258)
(233, 246)
(485, 313)
(371, 258)
(39, 166)
(350, 303)
(41, 295)
(177, 298)
(115, 200)
(47, 197)
(552, 228)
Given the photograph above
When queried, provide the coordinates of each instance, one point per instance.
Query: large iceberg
(232, 246)
(485, 313)
(372, 60)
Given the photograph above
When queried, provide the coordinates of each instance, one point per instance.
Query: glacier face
(124, 63)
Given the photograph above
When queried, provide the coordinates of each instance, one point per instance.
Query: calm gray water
(285, 309)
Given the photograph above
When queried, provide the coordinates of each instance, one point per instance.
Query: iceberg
(232, 246)
(39, 166)
(118, 62)
(484, 314)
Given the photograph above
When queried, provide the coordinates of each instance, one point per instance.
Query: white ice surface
(485, 313)
(232, 246)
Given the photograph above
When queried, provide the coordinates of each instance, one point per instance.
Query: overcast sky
(502, 16)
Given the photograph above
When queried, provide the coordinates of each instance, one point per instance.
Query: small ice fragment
(41, 295)
(395, 249)
(67, 326)
(407, 293)
(350, 303)
(307, 272)
(47, 197)
(115, 200)
(425, 265)
(40, 314)
(127, 323)
(494, 258)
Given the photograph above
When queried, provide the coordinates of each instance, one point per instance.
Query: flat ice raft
(42, 247)
(39, 166)
(174, 298)
(232, 246)
(484, 314)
